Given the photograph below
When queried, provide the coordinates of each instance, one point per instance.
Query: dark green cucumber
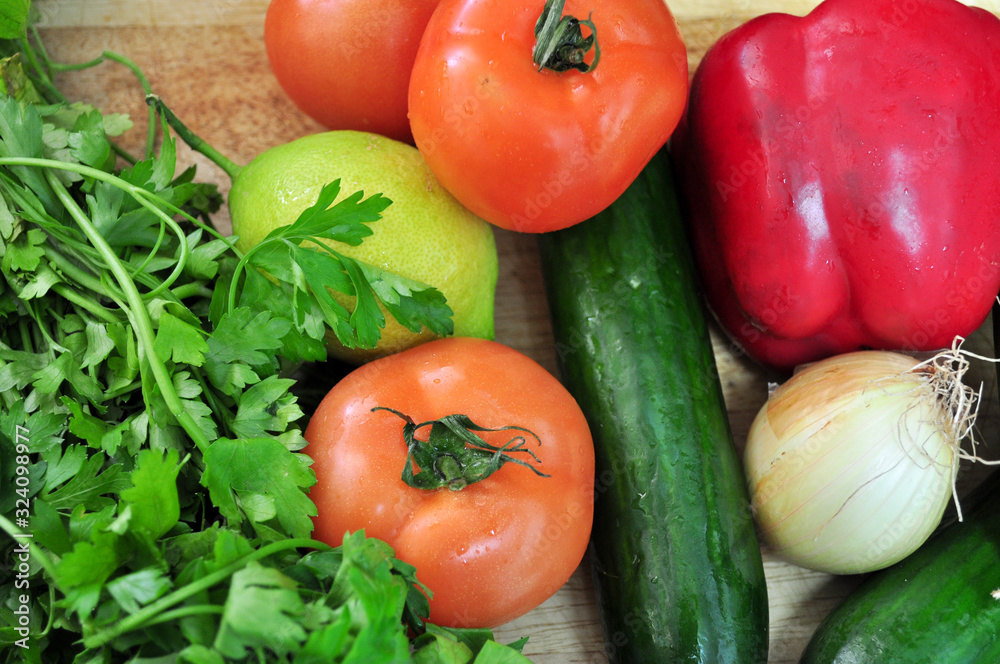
(935, 606)
(677, 565)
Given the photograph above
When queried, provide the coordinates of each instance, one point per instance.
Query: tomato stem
(559, 41)
(453, 456)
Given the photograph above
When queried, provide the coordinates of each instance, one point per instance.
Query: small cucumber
(677, 565)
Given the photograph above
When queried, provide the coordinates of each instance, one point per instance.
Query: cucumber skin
(676, 561)
(933, 606)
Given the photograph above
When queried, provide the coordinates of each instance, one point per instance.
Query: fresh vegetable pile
(154, 489)
(298, 442)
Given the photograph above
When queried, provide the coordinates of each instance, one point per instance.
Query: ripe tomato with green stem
(535, 119)
(346, 63)
(472, 461)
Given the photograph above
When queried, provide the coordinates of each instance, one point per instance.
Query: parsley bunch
(153, 486)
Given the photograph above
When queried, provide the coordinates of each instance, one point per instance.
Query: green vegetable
(937, 605)
(676, 561)
(153, 485)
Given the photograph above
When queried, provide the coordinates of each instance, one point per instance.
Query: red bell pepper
(841, 173)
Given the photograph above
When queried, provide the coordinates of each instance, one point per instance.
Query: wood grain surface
(206, 59)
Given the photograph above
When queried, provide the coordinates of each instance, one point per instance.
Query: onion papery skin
(850, 463)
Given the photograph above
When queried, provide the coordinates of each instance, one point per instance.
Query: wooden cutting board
(206, 59)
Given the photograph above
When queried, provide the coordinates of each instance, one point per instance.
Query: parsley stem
(125, 389)
(43, 79)
(181, 261)
(52, 614)
(142, 196)
(77, 274)
(184, 612)
(26, 342)
(151, 611)
(136, 311)
(51, 65)
(154, 250)
(192, 289)
(146, 87)
(146, 198)
(84, 303)
(41, 328)
(241, 266)
(194, 141)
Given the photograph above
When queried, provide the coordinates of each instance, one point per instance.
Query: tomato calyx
(453, 456)
(559, 41)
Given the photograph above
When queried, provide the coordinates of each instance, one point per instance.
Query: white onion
(851, 462)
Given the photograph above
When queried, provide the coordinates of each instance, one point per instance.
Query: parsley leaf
(152, 498)
(14, 19)
(295, 255)
(136, 589)
(90, 485)
(179, 341)
(260, 469)
(344, 222)
(267, 407)
(255, 591)
(241, 346)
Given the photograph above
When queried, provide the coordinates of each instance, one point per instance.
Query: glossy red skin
(841, 175)
(494, 550)
(536, 151)
(346, 63)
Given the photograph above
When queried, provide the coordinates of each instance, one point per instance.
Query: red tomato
(495, 549)
(346, 63)
(534, 150)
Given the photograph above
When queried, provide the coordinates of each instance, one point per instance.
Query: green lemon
(425, 234)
